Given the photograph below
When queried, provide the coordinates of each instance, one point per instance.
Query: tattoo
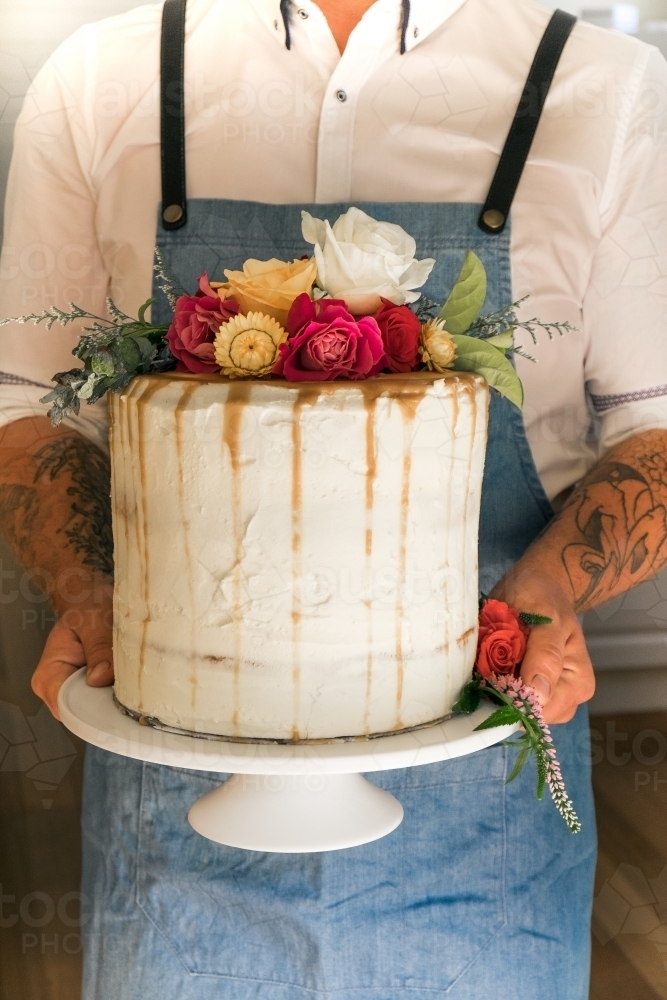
(89, 530)
(18, 510)
(621, 513)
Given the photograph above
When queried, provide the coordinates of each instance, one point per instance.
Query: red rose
(501, 645)
(401, 332)
(327, 342)
(197, 319)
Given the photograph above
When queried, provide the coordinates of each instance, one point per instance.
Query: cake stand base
(296, 813)
(284, 798)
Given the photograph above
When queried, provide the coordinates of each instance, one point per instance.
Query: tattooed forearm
(612, 532)
(89, 527)
(18, 510)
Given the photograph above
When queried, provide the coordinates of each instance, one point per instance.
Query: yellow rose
(269, 286)
(247, 346)
(437, 347)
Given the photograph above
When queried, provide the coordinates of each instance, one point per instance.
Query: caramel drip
(237, 399)
(409, 413)
(371, 472)
(143, 545)
(307, 396)
(188, 392)
(454, 396)
(297, 567)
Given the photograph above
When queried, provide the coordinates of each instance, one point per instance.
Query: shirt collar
(426, 16)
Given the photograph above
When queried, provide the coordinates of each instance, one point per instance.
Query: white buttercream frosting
(296, 561)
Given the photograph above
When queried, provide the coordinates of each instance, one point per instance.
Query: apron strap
(172, 114)
(496, 210)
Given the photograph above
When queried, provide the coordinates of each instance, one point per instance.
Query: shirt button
(341, 96)
(303, 14)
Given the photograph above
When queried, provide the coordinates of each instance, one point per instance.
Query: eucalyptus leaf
(102, 363)
(474, 355)
(467, 296)
(146, 348)
(86, 390)
(129, 352)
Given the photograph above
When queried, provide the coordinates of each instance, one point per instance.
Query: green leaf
(86, 390)
(146, 348)
(519, 764)
(529, 619)
(144, 309)
(102, 363)
(467, 296)
(503, 341)
(129, 353)
(505, 716)
(473, 355)
(469, 699)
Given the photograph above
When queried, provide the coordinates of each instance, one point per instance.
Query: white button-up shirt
(589, 226)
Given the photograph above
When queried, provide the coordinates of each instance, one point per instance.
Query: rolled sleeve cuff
(19, 400)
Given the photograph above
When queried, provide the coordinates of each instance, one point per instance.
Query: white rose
(361, 260)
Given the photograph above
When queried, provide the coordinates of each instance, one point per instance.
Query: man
(353, 102)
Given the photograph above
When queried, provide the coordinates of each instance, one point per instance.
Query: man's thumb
(543, 662)
(99, 657)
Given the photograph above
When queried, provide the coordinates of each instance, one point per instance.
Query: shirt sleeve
(50, 253)
(625, 310)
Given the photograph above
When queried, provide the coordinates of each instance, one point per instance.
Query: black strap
(172, 116)
(495, 213)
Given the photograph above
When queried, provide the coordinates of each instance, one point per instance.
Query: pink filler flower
(327, 342)
(197, 319)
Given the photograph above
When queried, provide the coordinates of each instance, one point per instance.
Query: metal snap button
(303, 14)
(173, 213)
(493, 219)
(341, 96)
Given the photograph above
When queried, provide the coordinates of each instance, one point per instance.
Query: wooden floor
(40, 780)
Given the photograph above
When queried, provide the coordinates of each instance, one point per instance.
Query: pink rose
(327, 342)
(197, 319)
(401, 333)
(501, 645)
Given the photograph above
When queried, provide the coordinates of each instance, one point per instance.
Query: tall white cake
(296, 561)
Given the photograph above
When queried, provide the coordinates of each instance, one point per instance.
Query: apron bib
(482, 891)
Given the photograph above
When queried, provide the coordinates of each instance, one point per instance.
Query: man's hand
(81, 637)
(556, 664)
(55, 513)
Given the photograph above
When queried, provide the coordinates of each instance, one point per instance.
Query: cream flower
(361, 260)
(247, 346)
(437, 347)
(269, 286)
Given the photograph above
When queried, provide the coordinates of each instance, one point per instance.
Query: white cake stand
(282, 798)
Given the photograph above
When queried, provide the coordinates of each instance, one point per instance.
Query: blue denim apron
(481, 892)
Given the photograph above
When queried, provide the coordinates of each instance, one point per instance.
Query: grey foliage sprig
(113, 351)
(113, 348)
(496, 323)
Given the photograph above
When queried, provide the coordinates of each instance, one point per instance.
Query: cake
(296, 561)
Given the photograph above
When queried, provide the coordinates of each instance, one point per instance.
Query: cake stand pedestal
(283, 798)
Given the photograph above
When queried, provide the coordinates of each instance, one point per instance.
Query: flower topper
(501, 646)
(352, 311)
